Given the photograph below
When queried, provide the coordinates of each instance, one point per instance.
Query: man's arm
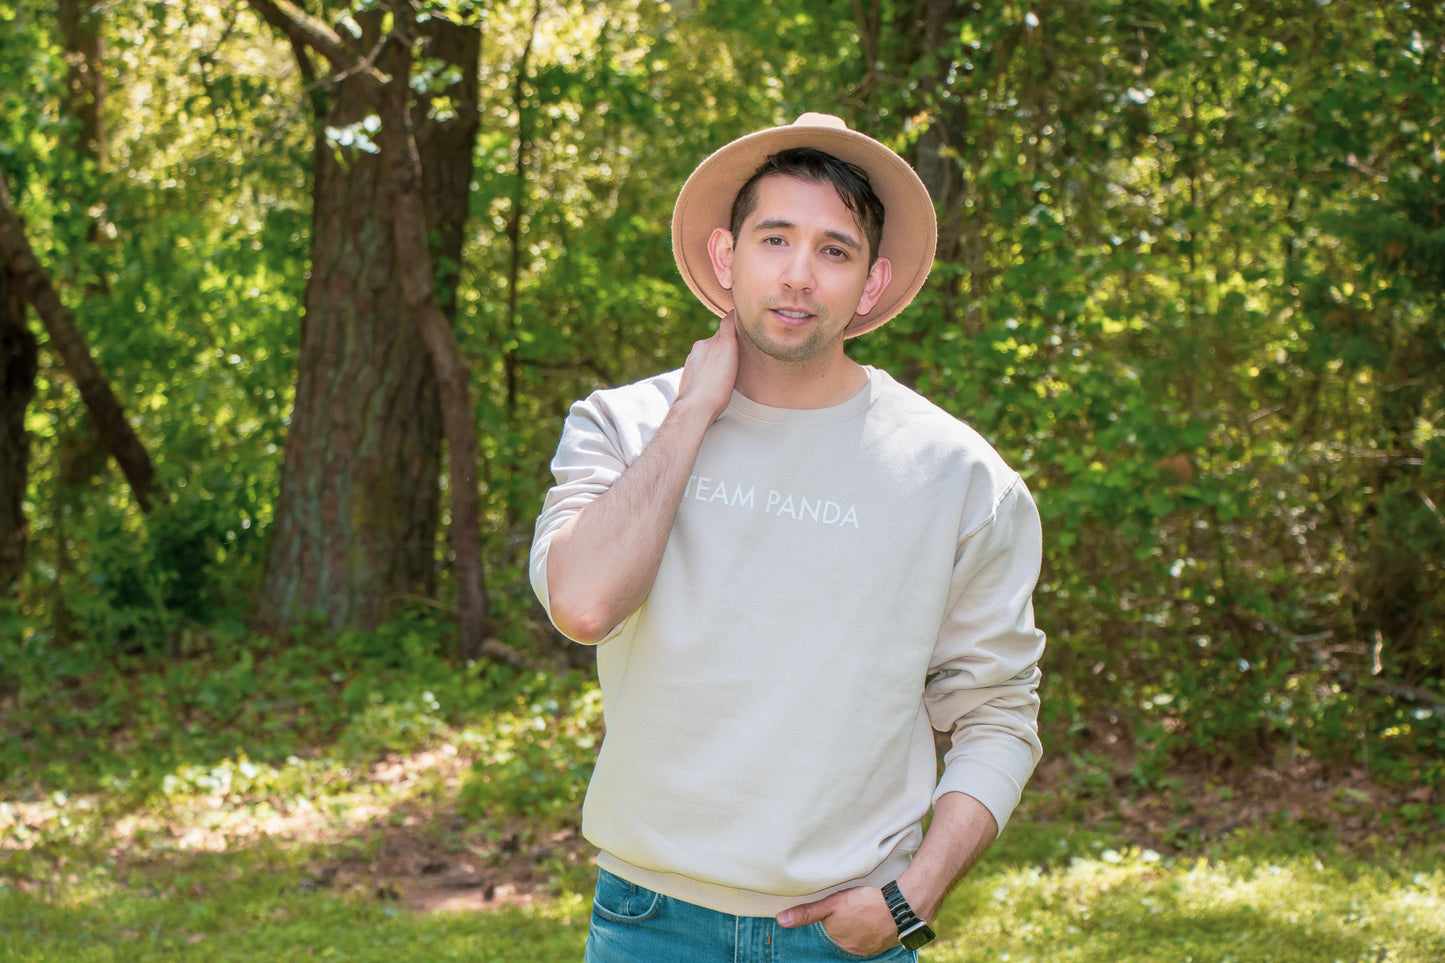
(961, 830)
(603, 560)
(858, 919)
(984, 690)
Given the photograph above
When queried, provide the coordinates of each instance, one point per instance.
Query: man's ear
(720, 249)
(878, 277)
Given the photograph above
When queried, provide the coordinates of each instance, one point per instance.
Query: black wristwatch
(912, 931)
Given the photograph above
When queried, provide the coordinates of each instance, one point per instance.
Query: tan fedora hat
(910, 226)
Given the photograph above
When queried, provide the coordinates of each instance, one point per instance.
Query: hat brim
(910, 226)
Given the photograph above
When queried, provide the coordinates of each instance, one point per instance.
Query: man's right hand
(711, 370)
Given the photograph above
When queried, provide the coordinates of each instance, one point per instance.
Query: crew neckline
(745, 407)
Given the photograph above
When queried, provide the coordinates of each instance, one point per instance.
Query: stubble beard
(817, 344)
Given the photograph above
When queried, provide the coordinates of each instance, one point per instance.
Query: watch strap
(912, 931)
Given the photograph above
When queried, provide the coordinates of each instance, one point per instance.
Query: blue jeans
(631, 924)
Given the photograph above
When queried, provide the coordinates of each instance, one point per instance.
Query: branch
(305, 30)
(65, 337)
(1431, 505)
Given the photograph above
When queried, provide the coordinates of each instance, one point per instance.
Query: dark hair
(810, 164)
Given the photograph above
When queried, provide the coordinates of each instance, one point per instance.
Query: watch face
(916, 936)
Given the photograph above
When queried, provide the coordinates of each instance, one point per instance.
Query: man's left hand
(856, 919)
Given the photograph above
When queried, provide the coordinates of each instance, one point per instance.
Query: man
(795, 569)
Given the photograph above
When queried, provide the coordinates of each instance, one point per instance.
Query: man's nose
(798, 271)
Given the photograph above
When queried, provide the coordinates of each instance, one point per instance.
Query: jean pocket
(619, 901)
(896, 953)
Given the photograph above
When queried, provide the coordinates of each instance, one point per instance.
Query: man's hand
(711, 370)
(856, 919)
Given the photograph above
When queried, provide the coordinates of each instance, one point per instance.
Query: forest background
(293, 300)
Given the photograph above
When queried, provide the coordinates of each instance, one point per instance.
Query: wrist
(913, 929)
(924, 897)
(694, 414)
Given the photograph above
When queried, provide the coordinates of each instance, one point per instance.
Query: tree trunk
(412, 207)
(79, 22)
(357, 515)
(18, 367)
(945, 140)
(942, 147)
(927, 31)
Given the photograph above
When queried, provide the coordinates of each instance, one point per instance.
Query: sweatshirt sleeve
(590, 458)
(984, 676)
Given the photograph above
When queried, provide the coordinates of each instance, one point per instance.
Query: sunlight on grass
(226, 856)
(369, 802)
(1118, 906)
(1139, 906)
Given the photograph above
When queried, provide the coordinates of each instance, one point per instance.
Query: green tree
(1157, 205)
(29, 282)
(152, 266)
(356, 519)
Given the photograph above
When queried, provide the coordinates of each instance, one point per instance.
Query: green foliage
(1191, 287)
(1094, 902)
(1193, 290)
(262, 904)
(80, 719)
(538, 754)
(1091, 902)
(242, 731)
(149, 581)
(170, 266)
(1163, 216)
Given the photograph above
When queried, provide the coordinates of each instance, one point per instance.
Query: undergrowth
(247, 799)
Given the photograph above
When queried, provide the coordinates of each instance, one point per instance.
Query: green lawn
(1046, 892)
(1247, 902)
(293, 805)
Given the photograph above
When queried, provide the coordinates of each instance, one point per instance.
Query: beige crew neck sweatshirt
(837, 583)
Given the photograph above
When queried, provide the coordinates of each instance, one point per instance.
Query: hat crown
(815, 119)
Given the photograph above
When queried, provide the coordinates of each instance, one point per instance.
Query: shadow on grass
(261, 901)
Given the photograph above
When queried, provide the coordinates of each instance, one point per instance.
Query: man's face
(798, 270)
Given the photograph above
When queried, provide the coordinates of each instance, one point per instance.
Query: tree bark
(66, 339)
(357, 515)
(18, 368)
(414, 267)
(919, 32)
(945, 139)
(79, 22)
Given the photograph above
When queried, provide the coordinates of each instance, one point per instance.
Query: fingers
(806, 914)
(856, 919)
(711, 369)
(727, 326)
(725, 338)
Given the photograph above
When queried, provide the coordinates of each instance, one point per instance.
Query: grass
(341, 800)
(1233, 905)
(1085, 902)
(255, 908)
